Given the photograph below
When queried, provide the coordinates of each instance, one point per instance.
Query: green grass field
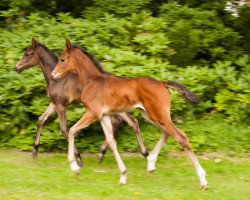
(49, 177)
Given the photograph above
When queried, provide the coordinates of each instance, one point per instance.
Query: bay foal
(64, 92)
(104, 94)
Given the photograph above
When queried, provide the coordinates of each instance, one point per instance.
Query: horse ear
(68, 44)
(34, 42)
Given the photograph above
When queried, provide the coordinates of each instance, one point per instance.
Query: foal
(64, 92)
(104, 94)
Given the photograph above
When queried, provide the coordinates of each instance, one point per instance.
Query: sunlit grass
(49, 177)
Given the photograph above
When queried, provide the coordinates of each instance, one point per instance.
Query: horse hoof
(151, 171)
(123, 178)
(123, 181)
(80, 163)
(78, 172)
(204, 187)
(151, 164)
(74, 167)
(151, 168)
(100, 158)
(34, 154)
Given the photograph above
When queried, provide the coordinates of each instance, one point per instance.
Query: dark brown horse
(104, 94)
(64, 92)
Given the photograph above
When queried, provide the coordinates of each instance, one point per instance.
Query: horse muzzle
(55, 76)
(18, 68)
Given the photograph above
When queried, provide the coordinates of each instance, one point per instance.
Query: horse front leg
(116, 121)
(84, 122)
(41, 120)
(108, 131)
(61, 112)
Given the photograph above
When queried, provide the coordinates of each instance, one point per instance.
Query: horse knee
(71, 134)
(40, 122)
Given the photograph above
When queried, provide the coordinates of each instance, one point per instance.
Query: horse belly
(114, 109)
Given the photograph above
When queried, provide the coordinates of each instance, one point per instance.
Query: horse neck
(47, 63)
(87, 70)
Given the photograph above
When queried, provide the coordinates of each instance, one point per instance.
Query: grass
(208, 134)
(48, 177)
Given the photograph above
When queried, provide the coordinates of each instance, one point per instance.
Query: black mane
(96, 63)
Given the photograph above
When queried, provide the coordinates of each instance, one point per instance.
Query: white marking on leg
(182, 139)
(152, 157)
(108, 131)
(71, 158)
(198, 168)
(74, 166)
(123, 179)
(202, 175)
(84, 122)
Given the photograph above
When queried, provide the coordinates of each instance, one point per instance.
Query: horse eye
(62, 60)
(30, 53)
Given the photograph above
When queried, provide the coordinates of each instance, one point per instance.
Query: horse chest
(59, 97)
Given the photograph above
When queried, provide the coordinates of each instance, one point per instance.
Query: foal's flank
(106, 94)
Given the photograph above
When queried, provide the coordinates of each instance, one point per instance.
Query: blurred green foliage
(199, 45)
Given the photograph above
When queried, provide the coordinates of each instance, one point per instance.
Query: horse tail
(186, 94)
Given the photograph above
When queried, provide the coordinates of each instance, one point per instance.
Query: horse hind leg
(152, 157)
(133, 123)
(182, 139)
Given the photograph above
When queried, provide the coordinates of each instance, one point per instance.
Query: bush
(196, 50)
